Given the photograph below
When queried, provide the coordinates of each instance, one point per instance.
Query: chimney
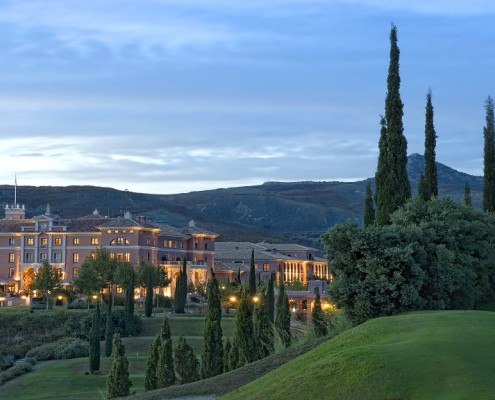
(95, 212)
(128, 215)
(191, 224)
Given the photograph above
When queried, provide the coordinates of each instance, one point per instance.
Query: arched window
(119, 242)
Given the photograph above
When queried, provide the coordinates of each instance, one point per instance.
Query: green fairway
(428, 355)
(67, 379)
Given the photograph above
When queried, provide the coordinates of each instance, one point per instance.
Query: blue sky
(170, 96)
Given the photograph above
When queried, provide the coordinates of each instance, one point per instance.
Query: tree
(150, 381)
(165, 332)
(245, 331)
(270, 299)
(226, 353)
(125, 277)
(118, 382)
(431, 184)
(489, 158)
(87, 282)
(180, 296)
(150, 276)
(252, 276)
(319, 324)
(282, 318)
(109, 327)
(233, 356)
(392, 183)
(369, 209)
(94, 341)
(212, 360)
(165, 373)
(467, 195)
(423, 189)
(46, 280)
(263, 329)
(186, 363)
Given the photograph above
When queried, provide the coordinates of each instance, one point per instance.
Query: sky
(174, 96)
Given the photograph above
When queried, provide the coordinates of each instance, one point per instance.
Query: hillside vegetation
(427, 355)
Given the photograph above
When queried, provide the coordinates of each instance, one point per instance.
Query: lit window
(127, 257)
(75, 257)
(116, 231)
(119, 241)
(131, 231)
(11, 257)
(57, 241)
(266, 267)
(148, 240)
(95, 241)
(11, 241)
(112, 256)
(75, 272)
(109, 231)
(124, 231)
(59, 272)
(75, 241)
(11, 272)
(44, 241)
(93, 255)
(169, 243)
(120, 257)
(29, 241)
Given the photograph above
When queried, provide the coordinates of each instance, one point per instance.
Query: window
(11, 272)
(127, 257)
(75, 272)
(148, 241)
(149, 256)
(43, 242)
(29, 241)
(93, 255)
(120, 257)
(119, 241)
(57, 257)
(11, 257)
(11, 241)
(206, 246)
(196, 246)
(75, 257)
(57, 241)
(169, 243)
(94, 241)
(266, 267)
(75, 241)
(29, 257)
(42, 256)
(175, 244)
(59, 272)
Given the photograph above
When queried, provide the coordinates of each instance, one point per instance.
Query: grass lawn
(67, 379)
(428, 355)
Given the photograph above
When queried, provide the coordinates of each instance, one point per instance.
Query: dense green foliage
(212, 359)
(319, 323)
(126, 278)
(150, 381)
(434, 255)
(185, 362)
(489, 158)
(109, 328)
(118, 382)
(165, 371)
(180, 295)
(15, 371)
(270, 299)
(252, 275)
(468, 201)
(46, 281)
(226, 352)
(392, 183)
(60, 350)
(94, 341)
(369, 208)
(282, 317)
(245, 339)
(431, 184)
(263, 329)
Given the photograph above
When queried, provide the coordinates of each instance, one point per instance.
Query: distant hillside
(296, 211)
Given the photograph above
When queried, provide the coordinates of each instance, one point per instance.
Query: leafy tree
(392, 183)
(150, 276)
(467, 195)
(212, 359)
(165, 373)
(150, 380)
(109, 327)
(118, 382)
(369, 209)
(88, 282)
(489, 158)
(186, 363)
(282, 318)
(431, 184)
(319, 324)
(94, 341)
(180, 296)
(46, 280)
(125, 277)
(263, 330)
(270, 299)
(246, 343)
(252, 276)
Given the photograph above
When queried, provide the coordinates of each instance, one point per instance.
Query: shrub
(61, 349)
(6, 361)
(15, 371)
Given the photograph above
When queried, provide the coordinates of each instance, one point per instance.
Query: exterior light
(223, 287)
(256, 299)
(233, 299)
(95, 296)
(59, 297)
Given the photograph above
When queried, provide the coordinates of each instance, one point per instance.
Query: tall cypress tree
(423, 192)
(129, 302)
(467, 195)
(165, 332)
(489, 158)
(118, 382)
(263, 330)
(226, 353)
(109, 327)
(392, 183)
(94, 341)
(183, 291)
(186, 363)
(319, 324)
(212, 360)
(150, 380)
(270, 299)
(245, 331)
(369, 209)
(148, 299)
(252, 276)
(431, 184)
(180, 296)
(165, 371)
(282, 318)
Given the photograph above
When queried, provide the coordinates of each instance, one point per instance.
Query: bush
(60, 350)
(6, 361)
(15, 371)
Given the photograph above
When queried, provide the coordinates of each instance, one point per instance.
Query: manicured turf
(429, 355)
(67, 379)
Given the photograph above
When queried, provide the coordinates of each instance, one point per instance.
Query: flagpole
(15, 191)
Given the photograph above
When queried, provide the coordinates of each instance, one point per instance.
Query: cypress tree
(150, 381)
(94, 341)
(431, 184)
(252, 276)
(423, 192)
(263, 330)
(369, 209)
(319, 323)
(118, 382)
(245, 331)
(165, 372)
(392, 183)
(226, 353)
(270, 299)
(233, 355)
(165, 333)
(489, 158)
(282, 318)
(109, 327)
(148, 300)
(186, 363)
(129, 304)
(467, 195)
(184, 283)
(181, 289)
(212, 359)
(239, 276)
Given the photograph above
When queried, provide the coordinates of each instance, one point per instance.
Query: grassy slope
(431, 355)
(66, 379)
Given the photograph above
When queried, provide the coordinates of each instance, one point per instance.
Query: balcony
(190, 264)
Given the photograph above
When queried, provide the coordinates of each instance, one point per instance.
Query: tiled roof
(230, 266)
(286, 246)
(194, 230)
(242, 251)
(7, 225)
(172, 231)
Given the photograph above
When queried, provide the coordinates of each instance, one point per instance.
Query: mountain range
(274, 211)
